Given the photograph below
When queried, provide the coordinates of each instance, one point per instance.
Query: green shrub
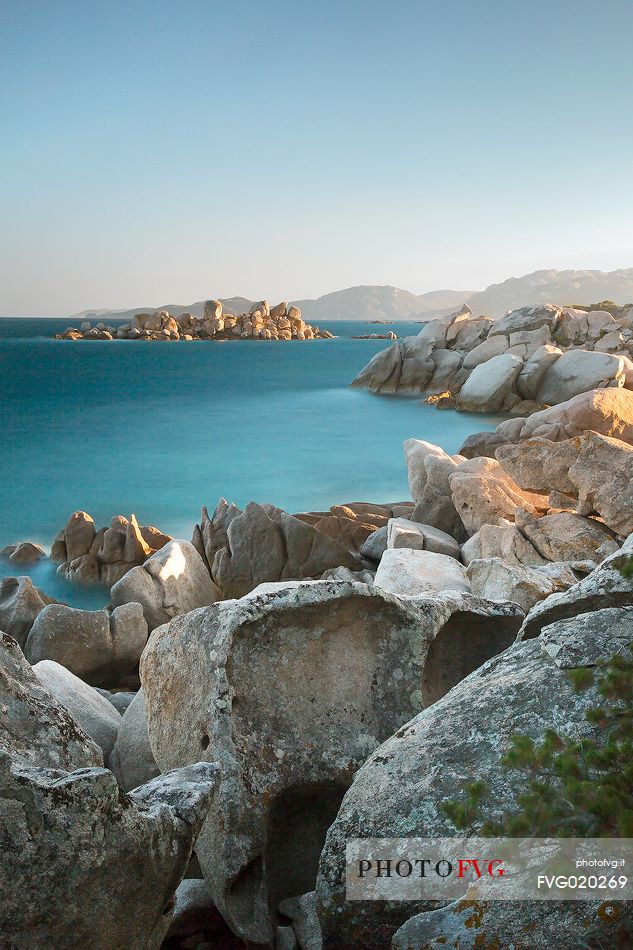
(578, 788)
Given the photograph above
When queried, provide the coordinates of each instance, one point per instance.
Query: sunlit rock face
(483, 492)
(262, 322)
(592, 471)
(429, 469)
(172, 581)
(103, 556)
(606, 411)
(533, 357)
(290, 689)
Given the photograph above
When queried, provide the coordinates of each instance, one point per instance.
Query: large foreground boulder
(98, 646)
(82, 864)
(171, 582)
(35, 728)
(521, 925)
(400, 790)
(102, 867)
(289, 690)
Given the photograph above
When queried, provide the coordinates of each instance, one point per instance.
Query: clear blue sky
(169, 151)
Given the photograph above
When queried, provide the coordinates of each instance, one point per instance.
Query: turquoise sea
(160, 429)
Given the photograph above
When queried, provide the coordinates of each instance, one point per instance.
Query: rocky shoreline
(531, 358)
(262, 322)
(199, 752)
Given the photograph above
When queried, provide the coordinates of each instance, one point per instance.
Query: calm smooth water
(160, 429)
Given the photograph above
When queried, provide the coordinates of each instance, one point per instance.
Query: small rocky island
(262, 322)
(376, 336)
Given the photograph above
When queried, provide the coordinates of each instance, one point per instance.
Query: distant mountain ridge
(380, 303)
(368, 302)
(562, 287)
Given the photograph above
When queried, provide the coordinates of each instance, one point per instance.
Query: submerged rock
(24, 553)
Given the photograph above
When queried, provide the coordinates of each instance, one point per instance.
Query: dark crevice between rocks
(298, 821)
(463, 644)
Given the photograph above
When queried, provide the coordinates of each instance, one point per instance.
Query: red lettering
(463, 866)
